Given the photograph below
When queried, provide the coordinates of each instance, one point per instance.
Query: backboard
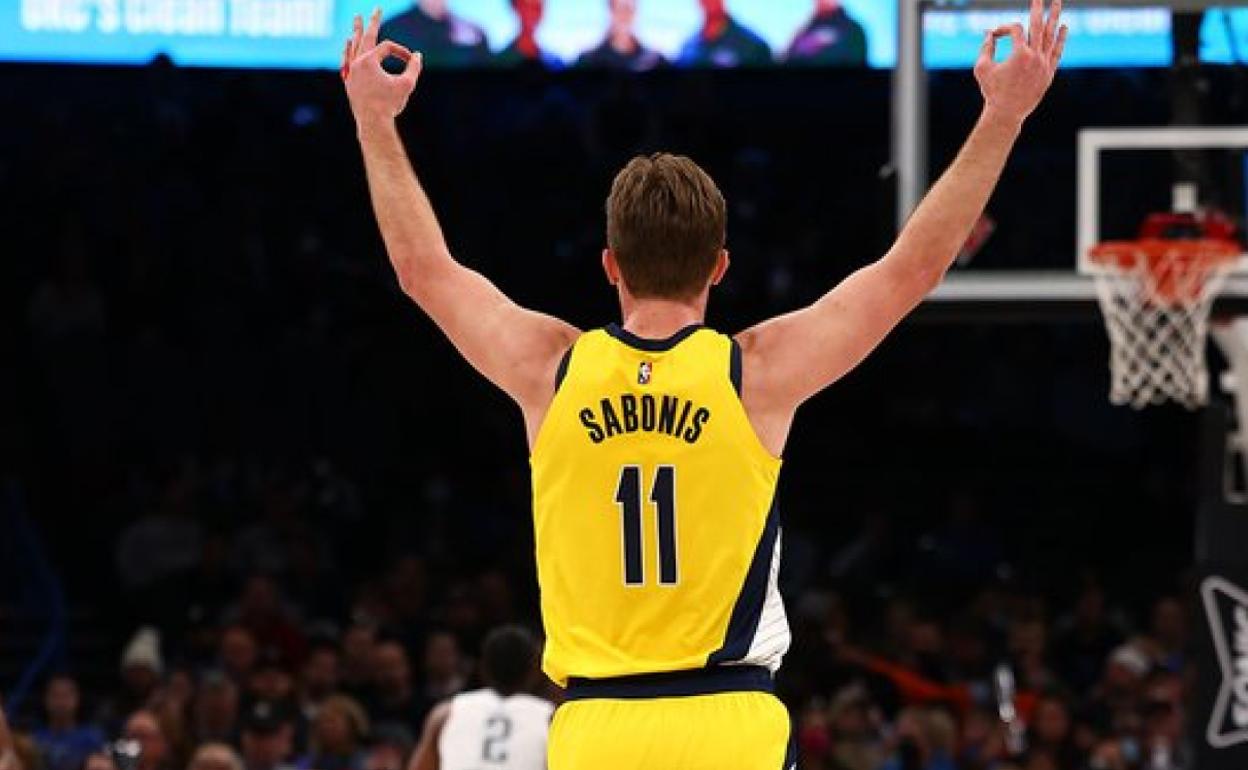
(1133, 170)
(1125, 174)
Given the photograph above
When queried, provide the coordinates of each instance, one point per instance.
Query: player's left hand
(373, 92)
(1014, 87)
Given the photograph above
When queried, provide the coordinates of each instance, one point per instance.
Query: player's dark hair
(509, 659)
(666, 223)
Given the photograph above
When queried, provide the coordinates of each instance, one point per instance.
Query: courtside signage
(1226, 606)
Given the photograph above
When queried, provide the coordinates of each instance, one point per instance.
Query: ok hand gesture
(1015, 86)
(374, 93)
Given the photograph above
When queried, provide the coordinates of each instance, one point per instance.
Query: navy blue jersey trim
(649, 345)
(563, 369)
(748, 610)
(674, 684)
(790, 754)
(734, 367)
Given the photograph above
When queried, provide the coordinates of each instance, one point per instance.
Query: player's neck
(622, 39)
(661, 318)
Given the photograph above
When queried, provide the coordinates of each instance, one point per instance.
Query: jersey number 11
(663, 496)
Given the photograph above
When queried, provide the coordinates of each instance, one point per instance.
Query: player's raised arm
(517, 349)
(792, 357)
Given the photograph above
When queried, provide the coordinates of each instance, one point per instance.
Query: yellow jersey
(658, 542)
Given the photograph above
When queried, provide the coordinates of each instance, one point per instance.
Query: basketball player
(498, 727)
(656, 442)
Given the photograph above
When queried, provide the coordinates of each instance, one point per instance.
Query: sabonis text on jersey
(629, 413)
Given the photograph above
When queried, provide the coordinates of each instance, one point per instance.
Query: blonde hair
(350, 710)
(217, 753)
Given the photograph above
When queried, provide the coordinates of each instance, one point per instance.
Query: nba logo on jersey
(643, 373)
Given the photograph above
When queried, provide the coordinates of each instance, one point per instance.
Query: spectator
(830, 38)
(1112, 754)
(359, 657)
(924, 741)
(1165, 739)
(394, 697)
(620, 49)
(391, 749)
(177, 691)
(1114, 702)
(239, 653)
(337, 736)
(215, 756)
(444, 39)
(444, 673)
(64, 742)
(1169, 634)
(854, 730)
(273, 624)
(1051, 734)
(1084, 639)
(1028, 647)
(267, 739)
(215, 710)
(8, 748)
(723, 41)
(99, 761)
(983, 741)
(271, 681)
(155, 751)
(264, 548)
(525, 50)
(164, 544)
(321, 674)
(142, 665)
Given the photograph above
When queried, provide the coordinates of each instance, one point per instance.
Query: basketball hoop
(1156, 295)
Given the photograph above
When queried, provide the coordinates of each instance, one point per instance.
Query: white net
(1156, 310)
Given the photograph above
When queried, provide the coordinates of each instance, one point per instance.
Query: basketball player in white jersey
(499, 727)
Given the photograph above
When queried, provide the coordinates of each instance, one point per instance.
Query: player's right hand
(374, 93)
(1013, 88)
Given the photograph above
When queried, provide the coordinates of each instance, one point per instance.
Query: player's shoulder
(531, 703)
(472, 699)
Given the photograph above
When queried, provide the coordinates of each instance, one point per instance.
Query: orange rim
(1177, 269)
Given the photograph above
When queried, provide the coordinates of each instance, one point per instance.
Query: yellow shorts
(734, 729)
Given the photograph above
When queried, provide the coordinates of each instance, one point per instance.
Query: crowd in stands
(254, 649)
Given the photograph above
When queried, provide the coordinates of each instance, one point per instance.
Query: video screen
(635, 35)
(1099, 37)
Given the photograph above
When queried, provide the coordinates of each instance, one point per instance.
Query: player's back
(657, 538)
(488, 731)
(658, 545)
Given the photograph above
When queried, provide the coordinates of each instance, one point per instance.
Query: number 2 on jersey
(663, 496)
(497, 731)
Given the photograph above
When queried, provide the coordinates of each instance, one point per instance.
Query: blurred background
(241, 474)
